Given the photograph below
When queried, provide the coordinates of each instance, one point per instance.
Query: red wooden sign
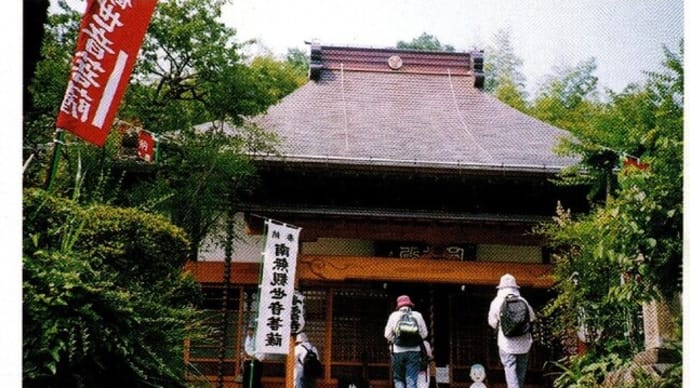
(146, 146)
(631, 161)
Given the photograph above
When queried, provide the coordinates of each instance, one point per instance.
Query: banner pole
(227, 272)
(251, 372)
(57, 153)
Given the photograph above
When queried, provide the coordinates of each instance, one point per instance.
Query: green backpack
(407, 331)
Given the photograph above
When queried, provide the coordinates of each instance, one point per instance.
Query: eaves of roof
(392, 214)
(457, 167)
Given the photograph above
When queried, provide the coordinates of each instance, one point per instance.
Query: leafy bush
(627, 250)
(585, 370)
(106, 302)
(590, 370)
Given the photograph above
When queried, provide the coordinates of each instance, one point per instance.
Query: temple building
(405, 177)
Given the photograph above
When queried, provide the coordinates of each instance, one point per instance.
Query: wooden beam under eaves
(341, 268)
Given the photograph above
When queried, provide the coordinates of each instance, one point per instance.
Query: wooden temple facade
(406, 178)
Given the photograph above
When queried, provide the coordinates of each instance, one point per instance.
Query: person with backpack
(308, 367)
(425, 366)
(405, 330)
(512, 316)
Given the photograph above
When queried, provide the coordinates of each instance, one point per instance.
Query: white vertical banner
(277, 288)
(298, 321)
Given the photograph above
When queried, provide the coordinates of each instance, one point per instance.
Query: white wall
(509, 253)
(246, 248)
(339, 247)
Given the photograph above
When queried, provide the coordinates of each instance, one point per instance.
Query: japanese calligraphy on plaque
(420, 250)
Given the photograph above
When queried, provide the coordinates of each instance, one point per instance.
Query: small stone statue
(477, 374)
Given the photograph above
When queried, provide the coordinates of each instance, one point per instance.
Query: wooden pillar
(328, 352)
(290, 364)
(432, 317)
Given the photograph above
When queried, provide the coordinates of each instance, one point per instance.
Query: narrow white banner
(298, 321)
(277, 288)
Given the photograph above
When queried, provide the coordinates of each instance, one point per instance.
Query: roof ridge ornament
(316, 64)
(395, 62)
(477, 64)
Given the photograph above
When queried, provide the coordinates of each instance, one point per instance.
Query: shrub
(106, 302)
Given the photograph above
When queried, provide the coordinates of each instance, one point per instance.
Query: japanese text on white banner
(277, 288)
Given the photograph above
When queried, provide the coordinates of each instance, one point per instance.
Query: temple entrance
(348, 323)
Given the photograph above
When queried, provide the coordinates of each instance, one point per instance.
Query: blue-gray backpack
(514, 316)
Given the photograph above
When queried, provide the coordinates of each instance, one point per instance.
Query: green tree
(566, 99)
(278, 78)
(510, 93)
(424, 42)
(99, 263)
(503, 65)
(106, 302)
(299, 60)
(200, 178)
(628, 250)
(569, 100)
(47, 87)
(190, 70)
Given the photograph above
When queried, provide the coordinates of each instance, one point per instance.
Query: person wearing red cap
(405, 356)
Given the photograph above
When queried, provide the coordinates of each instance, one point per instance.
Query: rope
(342, 97)
(462, 119)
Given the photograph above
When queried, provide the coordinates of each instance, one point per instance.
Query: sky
(624, 36)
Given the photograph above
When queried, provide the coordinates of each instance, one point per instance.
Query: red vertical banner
(110, 36)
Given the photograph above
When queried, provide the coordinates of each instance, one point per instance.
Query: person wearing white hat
(406, 354)
(513, 350)
(302, 347)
